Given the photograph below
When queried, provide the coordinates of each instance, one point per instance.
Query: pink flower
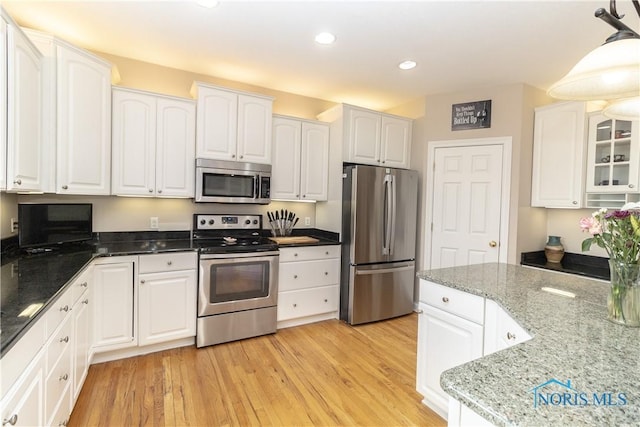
(591, 225)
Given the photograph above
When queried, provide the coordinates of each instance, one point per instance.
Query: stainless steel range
(238, 278)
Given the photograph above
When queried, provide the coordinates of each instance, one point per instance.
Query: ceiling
(458, 45)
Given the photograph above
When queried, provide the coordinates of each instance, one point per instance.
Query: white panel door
(466, 205)
(254, 129)
(396, 142)
(216, 124)
(84, 124)
(134, 143)
(24, 109)
(285, 173)
(175, 149)
(3, 104)
(363, 139)
(314, 170)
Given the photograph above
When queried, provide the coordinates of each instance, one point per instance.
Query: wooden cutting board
(289, 240)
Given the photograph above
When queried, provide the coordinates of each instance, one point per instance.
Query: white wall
(565, 223)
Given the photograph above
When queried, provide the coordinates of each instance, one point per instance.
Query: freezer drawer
(380, 291)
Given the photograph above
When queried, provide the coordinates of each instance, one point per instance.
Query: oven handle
(240, 255)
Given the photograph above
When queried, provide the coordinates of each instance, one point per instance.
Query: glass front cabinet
(613, 156)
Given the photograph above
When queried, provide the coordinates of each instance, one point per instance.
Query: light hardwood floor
(322, 374)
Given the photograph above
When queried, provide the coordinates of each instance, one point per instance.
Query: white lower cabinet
(167, 286)
(308, 284)
(59, 374)
(23, 405)
(113, 312)
(81, 315)
(454, 328)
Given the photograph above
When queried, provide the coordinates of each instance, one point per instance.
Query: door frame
(506, 142)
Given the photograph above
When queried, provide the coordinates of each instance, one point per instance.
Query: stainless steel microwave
(221, 181)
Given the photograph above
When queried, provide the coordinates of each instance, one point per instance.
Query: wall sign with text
(471, 115)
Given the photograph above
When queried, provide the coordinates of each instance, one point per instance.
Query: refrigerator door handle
(388, 207)
(384, 270)
(392, 222)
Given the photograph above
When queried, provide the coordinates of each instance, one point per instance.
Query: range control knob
(255, 221)
(211, 222)
(248, 221)
(203, 222)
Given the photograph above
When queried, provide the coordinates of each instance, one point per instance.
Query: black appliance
(47, 225)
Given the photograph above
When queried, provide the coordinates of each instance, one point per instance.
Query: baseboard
(124, 353)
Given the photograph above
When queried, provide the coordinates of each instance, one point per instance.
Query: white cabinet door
(82, 332)
(3, 104)
(559, 155)
(134, 143)
(254, 129)
(396, 142)
(84, 123)
(175, 150)
(314, 170)
(285, 173)
(444, 341)
(216, 124)
(167, 307)
(24, 113)
(363, 136)
(113, 292)
(500, 330)
(24, 404)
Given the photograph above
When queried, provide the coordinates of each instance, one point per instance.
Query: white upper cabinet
(3, 103)
(559, 155)
(300, 159)
(613, 158)
(153, 144)
(232, 125)
(372, 138)
(78, 113)
(21, 122)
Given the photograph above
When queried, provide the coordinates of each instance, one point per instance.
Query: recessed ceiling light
(207, 3)
(325, 38)
(407, 65)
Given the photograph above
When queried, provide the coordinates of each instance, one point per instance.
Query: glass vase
(623, 303)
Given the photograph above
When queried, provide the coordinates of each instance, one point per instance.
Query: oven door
(236, 282)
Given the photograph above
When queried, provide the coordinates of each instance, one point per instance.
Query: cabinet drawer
(57, 381)
(300, 275)
(80, 285)
(62, 413)
(306, 253)
(459, 303)
(168, 262)
(60, 340)
(307, 302)
(16, 360)
(57, 312)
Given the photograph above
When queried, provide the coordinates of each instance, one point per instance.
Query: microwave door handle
(256, 182)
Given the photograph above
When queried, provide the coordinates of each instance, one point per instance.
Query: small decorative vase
(623, 303)
(553, 249)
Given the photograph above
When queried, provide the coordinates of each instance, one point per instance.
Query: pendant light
(623, 109)
(611, 71)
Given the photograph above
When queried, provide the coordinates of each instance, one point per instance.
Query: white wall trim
(507, 143)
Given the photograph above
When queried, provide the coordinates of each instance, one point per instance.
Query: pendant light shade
(624, 109)
(611, 71)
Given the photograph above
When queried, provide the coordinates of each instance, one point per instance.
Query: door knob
(493, 244)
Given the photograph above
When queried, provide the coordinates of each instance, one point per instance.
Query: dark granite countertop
(40, 278)
(572, 341)
(583, 265)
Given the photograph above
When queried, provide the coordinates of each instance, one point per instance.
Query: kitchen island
(578, 369)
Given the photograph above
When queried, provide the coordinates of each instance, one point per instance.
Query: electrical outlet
(14, 225)
(153, 223)
(307, 220)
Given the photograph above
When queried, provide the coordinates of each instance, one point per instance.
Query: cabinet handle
(295, 305)
(86, 301)
(18, 182)
(64, 187)
(493, 244)
(511, 336)
(575, 202)
(142, 282)
(159, 191)
(169, 262)
(326, 273)
(233, 156)
(304, 195)
(383, 161)
(241, 156)
(151, 190)
(326, 300)
(84, 284)
(630, 185)
(64, 377)
(12, 421)
(326, 253)
(445, 299)
(64, 423)
(295, 276)
(65, 308)
(65, 339)
(297, 195)
(295, 254)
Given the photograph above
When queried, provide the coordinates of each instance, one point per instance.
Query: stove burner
(230, 233)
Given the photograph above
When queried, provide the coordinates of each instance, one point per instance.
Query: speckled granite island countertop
(572, 341)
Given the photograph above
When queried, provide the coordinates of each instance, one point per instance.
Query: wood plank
(326, 373)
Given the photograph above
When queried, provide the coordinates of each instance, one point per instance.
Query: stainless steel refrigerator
(379, 210)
